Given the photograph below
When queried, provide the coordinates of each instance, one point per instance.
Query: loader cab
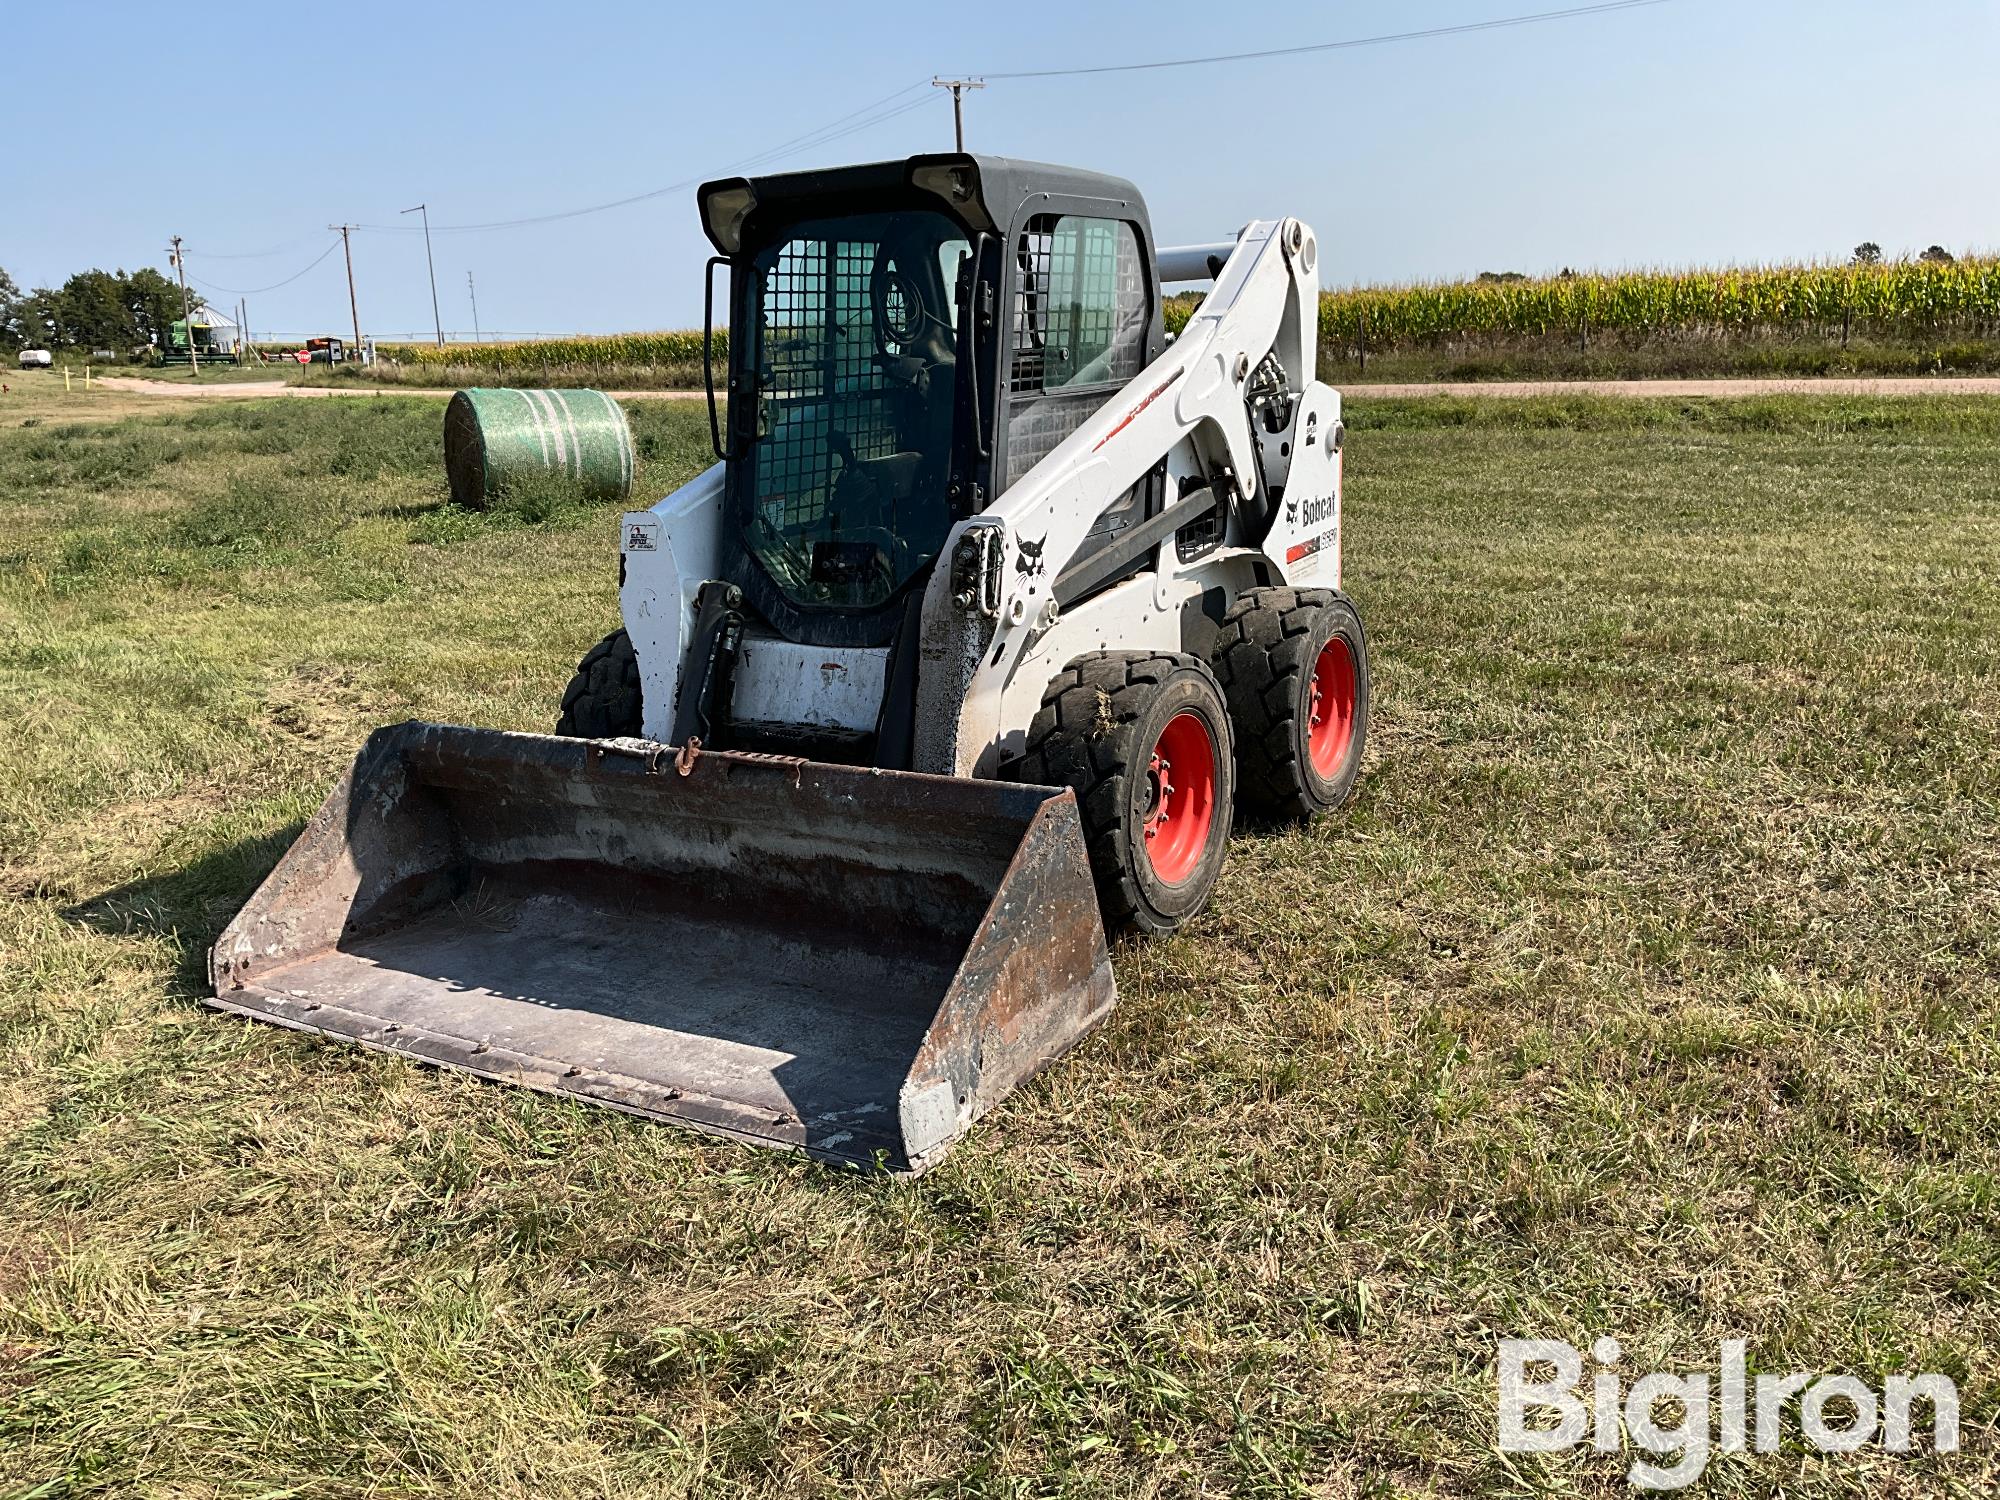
(906, 340)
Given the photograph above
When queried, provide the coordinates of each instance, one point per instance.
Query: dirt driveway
(250, 390)
(1828, 385)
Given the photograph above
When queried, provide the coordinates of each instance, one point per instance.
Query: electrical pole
(958, 86)
(474, 295)
(437, 321)
(187, 310)
(347, 250)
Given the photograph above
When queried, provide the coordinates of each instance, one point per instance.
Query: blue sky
(1694, 131)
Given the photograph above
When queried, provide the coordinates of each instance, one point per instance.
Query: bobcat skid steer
(995, 607)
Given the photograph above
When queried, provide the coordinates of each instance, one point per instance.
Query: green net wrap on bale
(494, 437)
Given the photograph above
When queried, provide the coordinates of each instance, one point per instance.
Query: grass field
(1563, 358)
(1650, 988)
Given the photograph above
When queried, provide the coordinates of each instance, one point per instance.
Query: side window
(1081, 310)
(952, 258)
(1097, 304)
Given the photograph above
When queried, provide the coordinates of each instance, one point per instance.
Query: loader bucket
(848, 962)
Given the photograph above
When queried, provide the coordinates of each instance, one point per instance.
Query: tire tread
(1262, 656)
(1082, 738)
(604, 698)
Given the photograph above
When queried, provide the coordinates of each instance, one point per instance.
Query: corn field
(1898, 300)
(1902, 300)
(638, 350)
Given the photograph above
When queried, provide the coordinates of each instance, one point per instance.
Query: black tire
(603, 700)
(1097, 732)
(1266, 655)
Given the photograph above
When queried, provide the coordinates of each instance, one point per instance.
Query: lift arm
(987, 598)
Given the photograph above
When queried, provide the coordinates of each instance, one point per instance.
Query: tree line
(122, 311)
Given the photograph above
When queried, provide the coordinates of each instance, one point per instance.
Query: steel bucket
(848, 962)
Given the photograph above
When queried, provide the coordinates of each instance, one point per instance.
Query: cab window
(853, 348)
(1081, 310)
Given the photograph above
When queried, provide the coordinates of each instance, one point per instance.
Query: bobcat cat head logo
(1029, 558)
(1291, 511)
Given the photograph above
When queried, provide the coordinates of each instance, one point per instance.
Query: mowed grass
(1650, 988)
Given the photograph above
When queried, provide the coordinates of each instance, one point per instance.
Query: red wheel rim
(1180, 798)
(1330, 709)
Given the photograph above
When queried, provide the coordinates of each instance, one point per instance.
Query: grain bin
(493, 438)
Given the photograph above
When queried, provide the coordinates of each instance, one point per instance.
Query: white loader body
(1188, 406)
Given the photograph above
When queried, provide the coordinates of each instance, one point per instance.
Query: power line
(251, 291)
(568, 213)
(866, 117)
(1359, 41)
(811, 142)
(832, 130)
(888, 108)
(811, 136)
(284, 249)
(891, 105)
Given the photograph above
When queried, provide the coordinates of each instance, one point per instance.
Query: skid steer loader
(995, 606)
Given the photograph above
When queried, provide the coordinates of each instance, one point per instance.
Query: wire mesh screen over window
(855, 360)
(1081, 308)
(819, 376)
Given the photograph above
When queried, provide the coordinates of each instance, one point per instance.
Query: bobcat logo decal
(1029, 558)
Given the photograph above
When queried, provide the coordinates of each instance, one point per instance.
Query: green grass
(1649, 988)
(1558, 357)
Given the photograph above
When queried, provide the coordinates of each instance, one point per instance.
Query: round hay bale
(493, 437)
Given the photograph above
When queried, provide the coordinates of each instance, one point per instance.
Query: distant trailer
(36, 359)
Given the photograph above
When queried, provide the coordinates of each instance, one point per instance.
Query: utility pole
(187, 310)
(437, 322)
(347, 249)
(474, 295)
(958, 86)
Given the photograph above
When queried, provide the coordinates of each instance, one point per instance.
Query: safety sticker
(1312, 544)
